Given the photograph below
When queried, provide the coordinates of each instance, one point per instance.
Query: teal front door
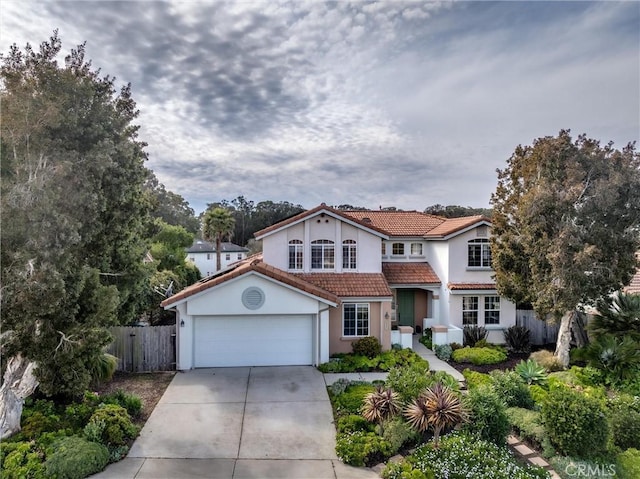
(406, 311)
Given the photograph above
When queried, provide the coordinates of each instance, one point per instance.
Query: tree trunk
(563, 344)
(19, 383)
(218, 253)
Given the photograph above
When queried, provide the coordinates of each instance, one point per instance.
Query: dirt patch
(149, 387)
(510, 363)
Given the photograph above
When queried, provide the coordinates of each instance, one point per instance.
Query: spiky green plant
(437, 408)
(618, 358)
(518, 339)
(531, 372)
(380, 405)
(618, 315)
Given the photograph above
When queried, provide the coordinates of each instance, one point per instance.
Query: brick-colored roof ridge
(410, 273)
(453, 225)
(399, 223)
(471, 286)
(252, 263)
(311, 212)
(350, 284)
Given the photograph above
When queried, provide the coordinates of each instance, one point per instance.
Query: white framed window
(227, 257)
(322, 254)
(239, 255)
(416, 249)
(479, 254)
(492, 310)
(397, 249)
(469, 310)
(349, 254)
(295, 254)
(355, 319)
(384, 248)
(208, 255)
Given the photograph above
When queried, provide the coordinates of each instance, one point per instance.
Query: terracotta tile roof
(349, 284)
(409, 273)
(311, 212)
(399, 223)
(452, 225)
(471, 286)
(252, 263)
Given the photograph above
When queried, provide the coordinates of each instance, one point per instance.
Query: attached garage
(256, 340)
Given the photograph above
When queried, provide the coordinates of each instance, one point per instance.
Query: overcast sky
(402, 104)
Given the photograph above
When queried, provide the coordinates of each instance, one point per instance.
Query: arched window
(322, 254)
(295, 254)
(349, 254)
(479, 254)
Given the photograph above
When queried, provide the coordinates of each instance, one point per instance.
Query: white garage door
(253, 341)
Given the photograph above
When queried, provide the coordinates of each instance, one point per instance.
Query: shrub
(587, 376)
(478, 356)
(624, 417)
(76, 415)
(575, 423)
(404, 470)
(350, 401)
(132, 403)
(76, 458)
(518, 339)
(511, 388)
(455, 346)
(473, 334)
(475, 379)
(488, 418)
(445, 379)
(118, 428)
(531, 372)
(37, 423)
(538, 394)
(369, 347)
(628, 464)
(443, 351)
(353, 423)
(547, 360)
(397, 432)
(359, 448)
(572, 467)
(617, 358)
(427, 338)
(526, 423)
(341, 385)
(20, 460)
(463, 455)
(409, 382)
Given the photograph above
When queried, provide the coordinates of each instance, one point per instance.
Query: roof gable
(399, 223)
(453, 226)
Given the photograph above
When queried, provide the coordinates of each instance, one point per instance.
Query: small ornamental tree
(565, 226)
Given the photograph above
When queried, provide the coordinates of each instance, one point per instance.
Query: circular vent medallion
(253, 298)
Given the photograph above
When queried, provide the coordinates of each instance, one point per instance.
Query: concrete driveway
(239, 423)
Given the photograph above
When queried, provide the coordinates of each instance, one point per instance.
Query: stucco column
(184, 339)
(435, 307)
(324, 335)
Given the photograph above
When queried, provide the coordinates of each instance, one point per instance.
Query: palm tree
(217, 224)
(618, 315)
(437, 408)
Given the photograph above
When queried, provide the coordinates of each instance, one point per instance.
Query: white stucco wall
(507, 314)
(207, 267)
(459, 272)
(407, 257)
(275, 247)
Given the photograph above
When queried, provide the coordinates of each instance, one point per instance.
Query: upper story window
(384, 248)
(349, 254)
(227, 256)
(416, 249)
(479, 254)
(322, 254)
(397, 249)
(295, 254)
(239, 255)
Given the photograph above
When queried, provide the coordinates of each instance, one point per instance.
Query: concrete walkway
(435, 364)
(239, 423)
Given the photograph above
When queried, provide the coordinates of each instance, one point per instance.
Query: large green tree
(73, 217)
(565, 226)
(217, 225)
(170, 207)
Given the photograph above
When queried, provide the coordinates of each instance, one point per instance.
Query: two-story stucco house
(328, 277)
(203, 255)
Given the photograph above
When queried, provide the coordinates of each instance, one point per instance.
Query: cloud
(392, 103)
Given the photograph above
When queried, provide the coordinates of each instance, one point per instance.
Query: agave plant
(380, 405)
(531, 372)
(518, 339)
(437, 408)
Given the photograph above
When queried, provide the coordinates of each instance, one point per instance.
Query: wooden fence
(542, 332)
(144, 348)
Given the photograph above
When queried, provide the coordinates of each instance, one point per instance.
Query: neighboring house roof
(471, 286)
(399, 223)
(252, 263)
(409, 273)
(454, 225)
(200, 246)
(322, 208)
(360, 285)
